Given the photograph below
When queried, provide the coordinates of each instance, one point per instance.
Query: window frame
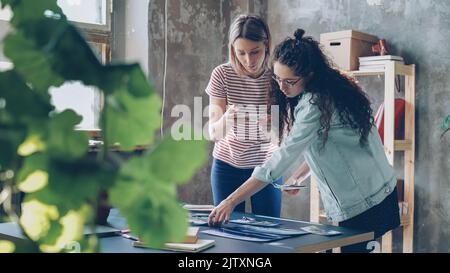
(98, 28)
(94, 33)
(102, 35)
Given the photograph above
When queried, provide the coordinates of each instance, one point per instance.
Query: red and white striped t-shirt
(244, 146)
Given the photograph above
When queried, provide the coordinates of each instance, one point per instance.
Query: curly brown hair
(330, 89)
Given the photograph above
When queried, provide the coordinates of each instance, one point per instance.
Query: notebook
(191, 207)
(200, 245)
(198, 219)
(191, 235)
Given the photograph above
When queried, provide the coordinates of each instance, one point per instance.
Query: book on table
(191, 243)
(198, 246)
(205, 208)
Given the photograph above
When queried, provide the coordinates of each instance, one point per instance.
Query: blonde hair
(251, 27)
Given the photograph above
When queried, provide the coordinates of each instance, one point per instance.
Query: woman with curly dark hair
(325, 116)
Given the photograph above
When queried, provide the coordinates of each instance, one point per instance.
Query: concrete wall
(130, 25)
(197, 36)
(419, 31)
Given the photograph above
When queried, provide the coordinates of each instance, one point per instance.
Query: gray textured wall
(197, 37)
(130, 28)
(419, 30)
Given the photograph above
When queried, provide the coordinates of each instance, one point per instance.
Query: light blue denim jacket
(351, 178)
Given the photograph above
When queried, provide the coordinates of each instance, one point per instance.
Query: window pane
(82, 99)
(5, 14)
(85, 100)
(5, 66)
(85, 11)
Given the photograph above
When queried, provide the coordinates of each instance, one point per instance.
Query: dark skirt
(379, 219)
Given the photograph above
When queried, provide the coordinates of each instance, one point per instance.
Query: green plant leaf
(58, 38)
(52, 235)
(62, 140)
(177, 161)
(126, 76)
(26, 11)
(6, 2)
(31, 62)
(39, 219)
(71, 234)
(7, 246)
(54, 231)
(33, 164)
(11, 136)
(59, 176)
(148, 183)
(80, 63)
(22, 108)
(38, 56)
(22, 102)
(131, 121)
(151, 209)
(70, 184)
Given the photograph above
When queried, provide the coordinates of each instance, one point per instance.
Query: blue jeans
(225, 179)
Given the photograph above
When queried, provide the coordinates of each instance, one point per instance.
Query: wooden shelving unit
(391, 145)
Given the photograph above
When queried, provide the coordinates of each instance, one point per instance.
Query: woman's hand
(300, 175)
(221, 118)
(264, 124)
(221, 213)
(293, 191)
(230, 115)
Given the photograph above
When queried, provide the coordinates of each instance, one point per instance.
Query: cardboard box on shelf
(345, 47)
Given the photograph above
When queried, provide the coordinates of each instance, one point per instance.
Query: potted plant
(45, 158)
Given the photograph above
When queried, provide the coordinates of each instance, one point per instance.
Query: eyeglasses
(288, 82)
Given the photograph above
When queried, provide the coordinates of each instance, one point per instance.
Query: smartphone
(292, 187)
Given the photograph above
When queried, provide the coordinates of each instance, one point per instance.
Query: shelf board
(357, 73)
(400, 69)
(404, 220)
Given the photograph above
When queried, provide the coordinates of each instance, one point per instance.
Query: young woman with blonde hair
(236, 86)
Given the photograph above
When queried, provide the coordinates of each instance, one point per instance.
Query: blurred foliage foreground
(42, 156)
